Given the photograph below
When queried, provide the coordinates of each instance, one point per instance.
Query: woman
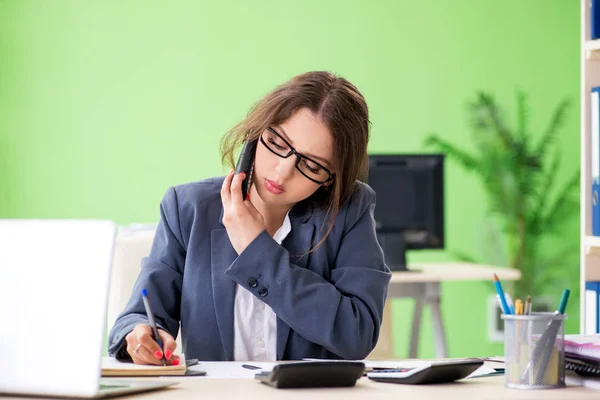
(292, 271)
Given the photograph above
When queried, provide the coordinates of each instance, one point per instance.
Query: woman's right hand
(143, 349)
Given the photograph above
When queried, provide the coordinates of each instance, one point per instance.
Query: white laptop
(54, 282)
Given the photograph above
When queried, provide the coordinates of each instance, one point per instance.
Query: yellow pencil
(518, 307)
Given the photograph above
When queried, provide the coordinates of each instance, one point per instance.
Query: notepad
(112, 367)
(582, 355)
(583, 345)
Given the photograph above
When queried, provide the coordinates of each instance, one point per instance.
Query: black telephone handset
(245, 164)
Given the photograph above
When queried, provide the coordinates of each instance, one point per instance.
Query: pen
(510, 303)
(248, 366)
(499, 302)
(153, 324)
(563, 302)
(501, 294)
(545, 345)
(528, 306)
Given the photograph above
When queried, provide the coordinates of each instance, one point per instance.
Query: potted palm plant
(525, 202)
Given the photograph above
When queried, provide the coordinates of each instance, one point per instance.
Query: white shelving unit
(592, 245)
(590, 77)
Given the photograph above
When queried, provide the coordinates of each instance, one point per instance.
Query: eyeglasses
(307, 166)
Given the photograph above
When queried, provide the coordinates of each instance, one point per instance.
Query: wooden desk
(422, 283)
(247, 389)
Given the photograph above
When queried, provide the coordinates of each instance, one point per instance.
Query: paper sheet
(231, 369)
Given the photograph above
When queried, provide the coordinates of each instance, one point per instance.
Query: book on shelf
(595, 158)
(592, 303)
(594, 19)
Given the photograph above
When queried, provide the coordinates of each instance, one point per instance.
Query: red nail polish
(248, 196)
(175, 362)
(168, 354)
(158, 354)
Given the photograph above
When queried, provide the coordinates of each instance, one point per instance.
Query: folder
(595, 19)
(592, 303)
(595, 159)
(582, 357)
(583, 349)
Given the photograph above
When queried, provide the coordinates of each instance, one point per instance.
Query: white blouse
(254, 322)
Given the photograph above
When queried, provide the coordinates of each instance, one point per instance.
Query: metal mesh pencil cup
(534, 351)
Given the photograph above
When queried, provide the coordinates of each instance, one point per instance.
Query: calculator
(312, 374)
(434, 372)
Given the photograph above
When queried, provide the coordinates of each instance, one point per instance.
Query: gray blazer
(329, 303)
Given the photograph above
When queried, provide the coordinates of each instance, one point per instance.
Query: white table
(422, 282)
(247, 388)
(250, 389)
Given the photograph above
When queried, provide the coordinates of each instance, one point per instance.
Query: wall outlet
(495, 323)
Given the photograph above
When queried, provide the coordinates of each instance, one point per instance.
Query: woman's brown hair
(340, 106)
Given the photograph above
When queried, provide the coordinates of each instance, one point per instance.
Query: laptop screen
(53, 296)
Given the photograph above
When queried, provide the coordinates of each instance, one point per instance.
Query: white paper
(231, 369)
(482, 371)
(234, 369)
(572, 379)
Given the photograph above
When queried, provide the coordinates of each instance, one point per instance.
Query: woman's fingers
(226, 188)
(168, 343)
(146, 339)
(139, 353)
(231, 191)
(236, 188)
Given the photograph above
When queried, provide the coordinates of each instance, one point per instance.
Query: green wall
(103, 105)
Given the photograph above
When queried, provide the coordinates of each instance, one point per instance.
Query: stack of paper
(582, 360)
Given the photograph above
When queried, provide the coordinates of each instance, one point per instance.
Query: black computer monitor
(409, 209)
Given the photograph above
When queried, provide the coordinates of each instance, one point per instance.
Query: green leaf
(542, 196)
(487, 117)
(563, 207)
(469, 162)
(523, 118)
(549, 137)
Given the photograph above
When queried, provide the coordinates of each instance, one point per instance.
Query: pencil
(505, 307)
(518, 307)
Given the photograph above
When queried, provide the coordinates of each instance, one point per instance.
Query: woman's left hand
(242, 221)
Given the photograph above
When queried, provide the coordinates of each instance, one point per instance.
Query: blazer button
(263, 292)
(252, 282)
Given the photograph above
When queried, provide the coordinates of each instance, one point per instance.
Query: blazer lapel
(222, 255)
(298, 243)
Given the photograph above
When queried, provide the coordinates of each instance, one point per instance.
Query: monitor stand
(394, 250)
